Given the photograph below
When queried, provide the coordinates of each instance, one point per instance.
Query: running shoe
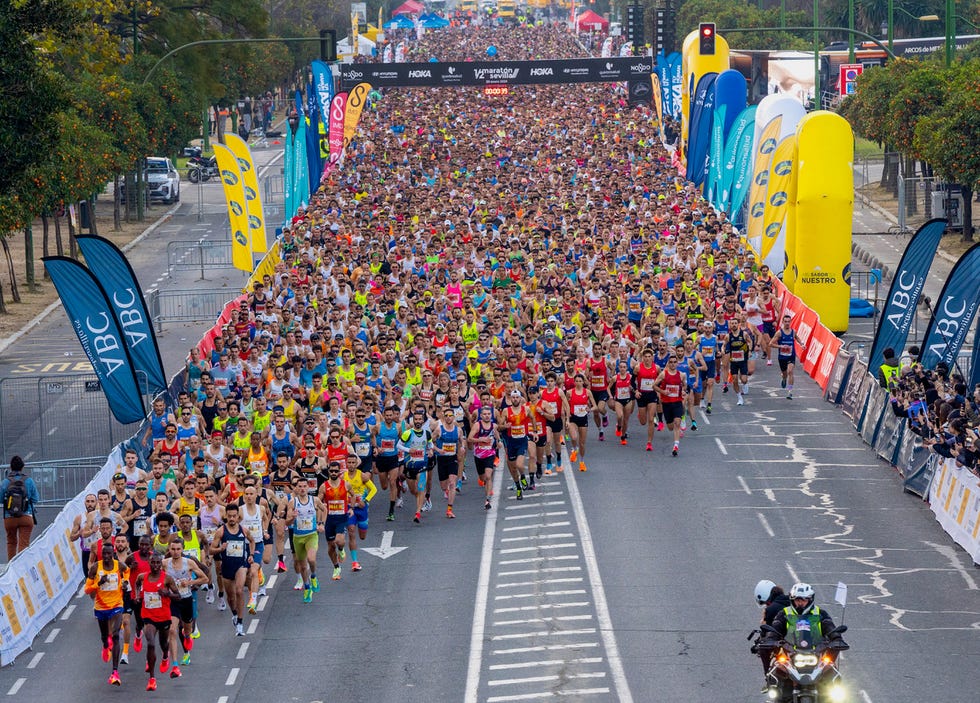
(462, 476)
(342, 555)
(740, 401)
(449, 514)
(539, 473)
(602, 436)
(391, 517)
(222, 604)
(684, 423)
(336, 573)
(106, 653)
(280, 566)
(789, 396)
(208, 600)
(298, 586)
(707, 408)
(261, 577)
(418, 518)
(314, 584)
(782, 383)
(355, 566)
(124, 658)
(164, 665)
(724, 388)
(573, 456)
(239, 630)
(520, 494)
(426, 506)
(619, 432)
(523, 481)
(649, 447)
(307, 595)
(694, 425)
(623, 441)
(175, 672)
(548, 472)
(185, 660)
(768, 362)
(196, 635)
(559, 467)
(400, 502)
(114, 679)
(674, 451)
(480, 482)
(188, 643)
(581, 466)
(262, 592)
(251, 604)
(605, 421)
(486, 504)
(660, 426)
(151, 685)
(138, 642)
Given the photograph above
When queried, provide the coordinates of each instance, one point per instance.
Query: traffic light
(706, 38)
(328, 45)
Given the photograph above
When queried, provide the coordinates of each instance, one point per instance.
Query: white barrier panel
(955, 499)
(41, 580)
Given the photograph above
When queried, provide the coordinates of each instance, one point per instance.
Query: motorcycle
(201, 169)
(801, 671)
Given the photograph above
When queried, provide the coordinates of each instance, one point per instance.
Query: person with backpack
(20, 497)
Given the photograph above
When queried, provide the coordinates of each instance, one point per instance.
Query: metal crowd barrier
(59, 481)
(190, 305)
(201, 255)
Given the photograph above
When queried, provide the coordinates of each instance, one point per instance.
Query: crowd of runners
(485, 281)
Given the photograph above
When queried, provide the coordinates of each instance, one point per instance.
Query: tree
(949, 138)
(741, 14)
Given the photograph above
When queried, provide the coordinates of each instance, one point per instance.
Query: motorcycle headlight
(773, 693)
(837, 693)
(804, 660)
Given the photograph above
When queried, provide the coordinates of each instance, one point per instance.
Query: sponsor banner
(43, 579)
(871, 421)
(323, 84)
(839, 373)
(234, 187)
(760, 179)
(730, 91)
(831, 344)
(699, 134)
(311, 156)
(920, 475)
(852, 398)
(266, 267)
(112, 269)
(253, 199)
(356, 100)
(805, 325)
(675, 60)
(955, 500)
(912, 456)
(903, 295)
(639, 91)
(954, 312)
(658, 102)
(335, 127)
(479, 73)
(736, 171)
(93, 318)
(665, 82)
(289, 175)
(890, 434)
(301, 167)
(716, 160)
(975, 363)
(782, 170)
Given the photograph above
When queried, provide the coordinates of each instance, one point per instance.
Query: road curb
(41, 316)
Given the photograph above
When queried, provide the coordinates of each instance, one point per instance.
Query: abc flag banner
(335, 128)
(781, 173)
(954, 312)
(903, 296)
(356, 100)
(738, 147)
(111, 268)
(757, 192)
(699, 135)
(253, 200)
(94, 321)
(323, 85)
(231, 178)
(975, 368)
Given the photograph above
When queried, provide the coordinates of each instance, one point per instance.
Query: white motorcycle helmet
(763, 590)
(802, 590)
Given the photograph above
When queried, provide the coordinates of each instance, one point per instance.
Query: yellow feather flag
(760, 177)
(356, 99)
(782, 171)
(658, 102)
(231, 178)
(253, 200)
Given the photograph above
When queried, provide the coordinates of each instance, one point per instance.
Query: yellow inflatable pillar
(824, 212)
(789, 226)
(694, 65)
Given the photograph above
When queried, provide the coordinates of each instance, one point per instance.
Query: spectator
(20, 498)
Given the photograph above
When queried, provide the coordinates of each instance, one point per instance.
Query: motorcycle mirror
(841, 630)
(770, 628)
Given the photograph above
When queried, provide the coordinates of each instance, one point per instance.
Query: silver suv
(162, 180)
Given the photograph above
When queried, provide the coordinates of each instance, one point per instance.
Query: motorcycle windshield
(803, 637)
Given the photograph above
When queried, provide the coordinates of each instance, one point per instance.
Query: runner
(305, 514)
(450, 453)
(106, 583)
(187, 575)
(670, 385)
(580, 404)
(647, 400)
(415, 443)
(235, 546)
(784, 341)
(335, 495)
(515, 424)
(154, 589)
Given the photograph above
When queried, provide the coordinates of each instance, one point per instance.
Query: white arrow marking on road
(385, 550)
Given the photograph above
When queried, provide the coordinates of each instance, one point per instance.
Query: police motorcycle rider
(772, 599)
(786, 626)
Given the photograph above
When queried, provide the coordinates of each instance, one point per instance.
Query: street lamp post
(850, 26)
(816, 52)
(950, 33)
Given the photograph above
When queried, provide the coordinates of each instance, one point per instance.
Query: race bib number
(708, 353)
(622, 393)
(362, 448)
(549, 407)
(598, 382)
(235, 549)
(387, 445)
(255, 532)
(738, 355)
(336, 507)
(184, 591)
(140, 527)
(416, 454)
(449, 448)
(304, 524)
(785, 350)
(111, 583)
(280, 494)
(672, 390)
(152, 600)
(646, 384)
(209, 533)
(580, 410)
(517, 431)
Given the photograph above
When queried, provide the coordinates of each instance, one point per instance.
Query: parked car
(162, 180)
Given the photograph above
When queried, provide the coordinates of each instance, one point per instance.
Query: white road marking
(544, 633)
(525, 538)
(864, 696)
(557, 618)
(242, 650)
(222, 699)
(721, 447)
(552, 569)
(541, 606)
(232, 676)
(536, 525)
(271, 581)
(560, 545)
(577, 693)
(954, 561)
(573, 592)
(765, 525)
(539, 505)
(35, 660)
(73, 408)
(525, 560)
(480, 603)
(546, 662)
(52, 431)
(532, 515)
(599, 594)
(16, 687)
(261, 604)
(770, 494)
(253, 626)
(521, 584)
(546, 648)
(68, 611)
(792, 573)
(52, 635)
(744, 485)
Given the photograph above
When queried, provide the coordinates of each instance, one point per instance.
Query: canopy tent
(589, 20)
(409, 7)
(365, 46)
(432, 21)
(399, 22)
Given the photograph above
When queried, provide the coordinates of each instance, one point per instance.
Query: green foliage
(742, 14)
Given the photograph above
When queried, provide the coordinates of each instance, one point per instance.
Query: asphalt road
(632, 581)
